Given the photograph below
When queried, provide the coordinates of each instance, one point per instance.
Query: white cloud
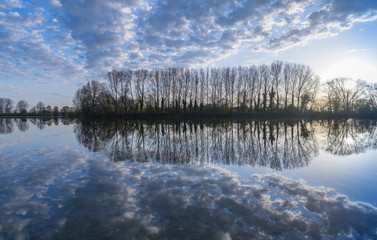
(55, 3)
(6, 88)
(28, 52)
(118, 34)
(328, 21)
(102, 27)
(356, 50)
(11, 4)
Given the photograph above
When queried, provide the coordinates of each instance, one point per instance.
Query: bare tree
(265, 77)
(114, 78)
(276, 72)
(287, 78)
(55, 110)
(252, 82)
(6, 105)
(155, 89)
(49, 109)
(343, 93)
(295, 69)
(22, 106)
(372, 94)
(92, 98)
(305, 78)
(140, 86)
(2, 103)
(40, 107)
(125, 89)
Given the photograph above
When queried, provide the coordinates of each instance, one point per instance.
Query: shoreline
(199, 116)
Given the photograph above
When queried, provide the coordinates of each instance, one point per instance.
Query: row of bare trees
(279, 86)
(6, 106)
(22, 107)
(349, 96)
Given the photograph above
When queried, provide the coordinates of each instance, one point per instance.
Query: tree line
(280, 87)
(7, 107)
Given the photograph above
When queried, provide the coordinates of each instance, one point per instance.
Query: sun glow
(355, 68)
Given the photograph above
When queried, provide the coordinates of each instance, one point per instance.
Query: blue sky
(50, 48)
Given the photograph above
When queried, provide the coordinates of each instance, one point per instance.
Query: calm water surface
(64, 179)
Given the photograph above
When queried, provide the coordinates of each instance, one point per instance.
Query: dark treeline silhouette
(279, 88)
(258, 89)
(40, 109)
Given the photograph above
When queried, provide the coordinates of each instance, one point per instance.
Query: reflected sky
(55, 185)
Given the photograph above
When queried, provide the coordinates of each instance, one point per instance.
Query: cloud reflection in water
(65, 193)
(34, 185)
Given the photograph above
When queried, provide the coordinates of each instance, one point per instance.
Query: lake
(223, 179)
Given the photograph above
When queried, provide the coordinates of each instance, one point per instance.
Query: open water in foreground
(66, 179)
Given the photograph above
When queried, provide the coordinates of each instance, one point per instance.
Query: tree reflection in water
(350, 137)
(6, 125)
(275, 144)
(22, 124)
(62, 192)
